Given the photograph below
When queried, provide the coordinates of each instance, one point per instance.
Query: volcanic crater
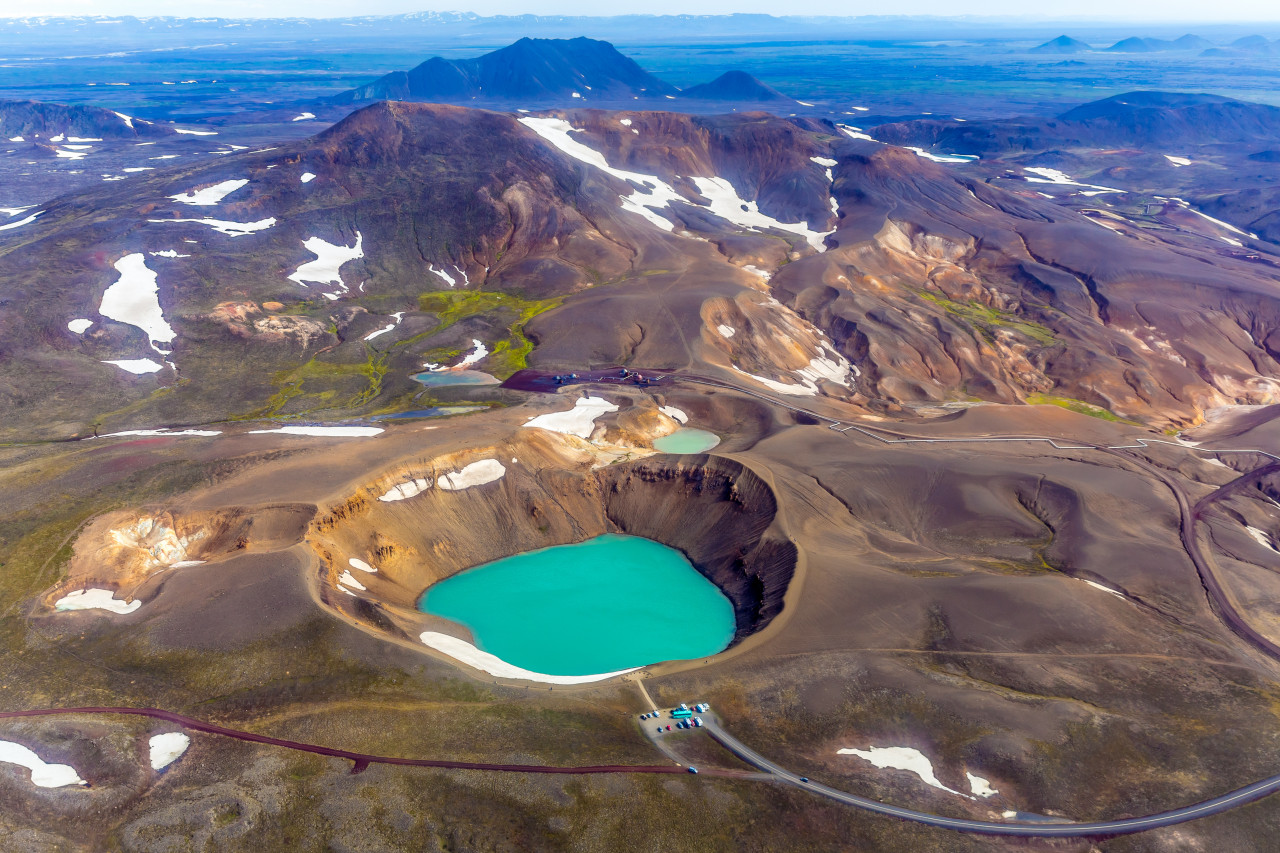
(720, 514)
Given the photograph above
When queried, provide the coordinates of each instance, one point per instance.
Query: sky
(1162, 11)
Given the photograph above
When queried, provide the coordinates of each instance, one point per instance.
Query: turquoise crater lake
(687, 440)
(611, 603)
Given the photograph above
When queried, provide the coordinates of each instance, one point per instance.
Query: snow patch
(461, 650)
(210, 195)
(979, 786)
(399, 315)
(405, 490)
(728, 205)
(167, 253)
(325, 269)
(1261, 537)
(231, 229)
(307, 177)
(900, 758)
(303, 117)
(1104, 588)
(726, 331)
(656, 193)
(95, 599)
(477, 354)
(443, 274)
(349, 580)
(79, 326)
(942, 158)
(134, 299)
(832, 368)
(475, 474)
(674, 413)
(579, 421)
(362, 566)
(187, 132)
(204, 433)
(167, 748)
(21, 222)
(136, 366)
(855, 133)
(42, 775)
(1177, 161)
(1053, 176)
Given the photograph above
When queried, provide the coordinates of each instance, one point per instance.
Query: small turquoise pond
(611, 603)
(687, 440)
(442, 378)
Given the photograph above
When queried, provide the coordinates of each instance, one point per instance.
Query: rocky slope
(314, 279)
(32, 119)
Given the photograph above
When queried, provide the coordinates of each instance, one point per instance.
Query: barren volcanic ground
(995, 501)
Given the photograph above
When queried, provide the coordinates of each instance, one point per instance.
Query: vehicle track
(360, 760)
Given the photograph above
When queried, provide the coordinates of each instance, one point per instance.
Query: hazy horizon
(1150, 12)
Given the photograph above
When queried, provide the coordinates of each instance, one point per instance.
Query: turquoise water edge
(611, 603)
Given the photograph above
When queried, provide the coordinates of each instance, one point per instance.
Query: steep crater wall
(716, 511)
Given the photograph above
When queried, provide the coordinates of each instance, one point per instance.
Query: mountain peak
(735, 86)
(1062, 44)
(528, 70)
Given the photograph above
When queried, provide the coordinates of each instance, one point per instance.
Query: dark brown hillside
(36, 118)
(934, 288)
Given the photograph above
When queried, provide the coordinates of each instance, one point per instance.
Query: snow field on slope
(579, 421)
(657, 193)
(42, 775)
(134, 299)
(209, 196)
(325, 269)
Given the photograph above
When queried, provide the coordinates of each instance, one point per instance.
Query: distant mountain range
(533, 71)
(1255, 45)
(1140, 44)
(1174, 121)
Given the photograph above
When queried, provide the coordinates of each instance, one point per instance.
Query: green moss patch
(985, 319)
(1078, 406)
(506, 355)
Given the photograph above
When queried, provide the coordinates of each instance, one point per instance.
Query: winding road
(1045, 829)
